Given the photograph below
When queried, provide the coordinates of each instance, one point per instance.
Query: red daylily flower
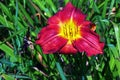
(68, 32)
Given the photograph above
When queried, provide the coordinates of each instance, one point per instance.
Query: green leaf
(89, 77)
(114, 51)
(95, 7)
(118, 13)
(105, 8)
(41, 5)
(7, 24)
(16, 33)
(8, 77)
(7, 63)
(117, 62)
(8, 51)
(60, 71)
(21, 77)
(50, 2)
(111, 6)
(111, 62)
(117, 32)
(1, 69)
(6, 10)
(26, 15)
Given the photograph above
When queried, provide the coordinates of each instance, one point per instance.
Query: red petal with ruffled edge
(54, 19)
(46, 33)
(66, 13)
(89, 43)
(49, 40)
(79, 17)
(68, 49)
(54, 45)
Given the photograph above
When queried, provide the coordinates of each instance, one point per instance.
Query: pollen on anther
(69, 30)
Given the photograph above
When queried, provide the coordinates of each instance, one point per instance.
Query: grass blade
(8, 51)
(60, 71)
(117, 32)
(8, 77)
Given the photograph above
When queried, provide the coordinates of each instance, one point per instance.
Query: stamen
(69, 30)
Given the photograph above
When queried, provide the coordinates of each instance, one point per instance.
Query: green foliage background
(20, 22)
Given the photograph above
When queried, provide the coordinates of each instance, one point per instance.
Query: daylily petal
(53, 45)
(67, 12)
(49, 40)
(54, 19)
(46, 33)
(63, 15)
(78, 16)
(86, 24)
(68, 49)
(89, 43)
(90, 49)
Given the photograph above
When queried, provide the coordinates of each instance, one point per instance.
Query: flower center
(69, 30)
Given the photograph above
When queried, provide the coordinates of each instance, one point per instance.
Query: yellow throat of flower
(69, 30)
